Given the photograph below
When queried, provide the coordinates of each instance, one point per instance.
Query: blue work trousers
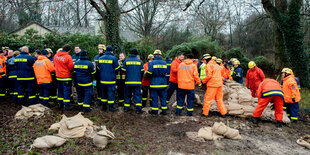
(170, 90)
(29, 85)
(181, 93)
(161, 93)
(292, 110)
(108, 94)
(136, 92)
(44, 90)
(64, 91)
(85, 95)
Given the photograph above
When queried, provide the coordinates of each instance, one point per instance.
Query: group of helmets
(151, 56)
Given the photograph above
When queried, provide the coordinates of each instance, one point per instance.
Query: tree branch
(146, 1)
(95, 5)
(188, 4)
(271, 11)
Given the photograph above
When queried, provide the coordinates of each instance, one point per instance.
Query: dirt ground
(146, 134)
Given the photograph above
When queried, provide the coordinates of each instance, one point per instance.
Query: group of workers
(47, 73)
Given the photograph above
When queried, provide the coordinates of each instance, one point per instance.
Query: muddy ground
(146, 134)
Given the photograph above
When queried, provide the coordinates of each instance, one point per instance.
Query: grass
(305, 99)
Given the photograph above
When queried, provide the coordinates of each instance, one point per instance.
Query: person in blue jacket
(168, 61)
(25, 75)
(237, 73)
(133, 68)
(53, 86)
(157, 71)
(76, 55)
(108, 66)
(101, 50)
(84, 71)
(11, 71)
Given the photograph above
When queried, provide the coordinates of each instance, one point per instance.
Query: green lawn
(305, 99)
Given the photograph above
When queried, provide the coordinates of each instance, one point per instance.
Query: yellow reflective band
(15, 93)
(46, 98)
(20, 60)
(64, 79)
(99, 98)
(106, 61)
(86, 105)
(12, 76)
(150, 99)
(120, 100)
(190, 109)
(60, 99)
(160, 66)
(20, 96)
(71, 95)
(123, 69)
(154, 108)
(294, 118)
(80, 103)
(133, 63)
(144, 99)
(149, 72)
(132, 82)
(104, 100)
(288, 115)
(31, 78)
(81, 66)
(139, 104)
(66, 100)
(164, 107)
(41, 97)
(127, 105)
(167, 75)
(53, 97)
(179, 107)
(142, 70)
(158, 86)
(2, 95)
(284, 107)
(273, 93)
(108, 82)
(110, 102)
(84, 85)
(167, 101)
(117, 67)
(123, 76)
(93, 72)
(118, 76)
(168, 64)
(11, 93)
(32, 97)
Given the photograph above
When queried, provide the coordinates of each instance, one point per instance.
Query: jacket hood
(188, 61)
(290, 76)
(178, 60)
(41, 57)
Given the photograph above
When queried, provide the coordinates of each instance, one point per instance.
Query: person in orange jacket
(2, 75)
(254, 77)
(291, 94)
(269, 90)
(146, 81)
(214, 82)
(43, 68)
(173, 81)
(187, 76)
(64, 65)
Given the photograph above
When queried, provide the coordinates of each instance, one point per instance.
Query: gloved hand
(293, 99)
(200, 85)
(248, 87)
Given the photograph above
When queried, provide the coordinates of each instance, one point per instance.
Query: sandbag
(205, 133)
(101, 139)
(48, 142)
(222, 129)
(36, 111)
(236, 112)
(194, 136)
(304, 141)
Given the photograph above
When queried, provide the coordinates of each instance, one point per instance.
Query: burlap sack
(234, 106)
(36, 110)
(236, 112)
(194, 136)
(197, 100)
(232, 133)
(56, 126)
(304, 141)
(48, 142)
(219, 128)
(101, 139)
(205, 133)
(248, 109)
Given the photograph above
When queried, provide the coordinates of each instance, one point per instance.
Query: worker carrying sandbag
(269, 90)
(214, 82)
(254, 77)
(291, 94)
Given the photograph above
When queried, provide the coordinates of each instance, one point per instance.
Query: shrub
(267, 66)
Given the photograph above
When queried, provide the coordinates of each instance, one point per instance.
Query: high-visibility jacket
(269, 87)
(290, 89)
(108, 66)
(146, 80)
(187, 75)
(174, 70)
(24, 65)
(120, 76)
(134, 71)
(254, 77)
(158, 71)
(226, 72)
(202, 69)
(168, 67)
(213, 75)
(84, 70)
(42, 69)
(64, 65)
(96, 58)
(75, 57)
(2, 66)
(11, 67)
(237, 74)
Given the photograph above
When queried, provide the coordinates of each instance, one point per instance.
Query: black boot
(67, 108)
(163, 113)
(254, 120)
(152, 112)
(104, 107)
(87, 109)
(112, 108)
(278, 124)
(60, 106)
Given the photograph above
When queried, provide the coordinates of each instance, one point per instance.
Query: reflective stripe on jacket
(24, 65)
(11, 67)
(168, 67)
(84, 70)
(108, 66)
(134, 71)
(237, 74)
(158, 71)
(202, 69)
(269, 87)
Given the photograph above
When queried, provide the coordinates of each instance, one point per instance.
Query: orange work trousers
(211, 93)
(278, 105)
(253, 93)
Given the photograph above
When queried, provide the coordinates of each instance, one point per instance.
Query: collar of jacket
(23, 52)
(77, 54)
(83, 58)
(108, 53)
(178, 60)
(41, 57)
(212, 62)
(188, 61)
(290, 76)
(157, 58)
(133, 56)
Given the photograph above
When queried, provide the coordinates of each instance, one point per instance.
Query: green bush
(267, 66)
(237, 53)
(197, 46)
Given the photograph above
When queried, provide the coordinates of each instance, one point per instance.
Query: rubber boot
(112, 108)
(278, 124)
(152, 112)
(86, 109)
(104, 107)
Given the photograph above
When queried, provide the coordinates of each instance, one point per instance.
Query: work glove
(200, 85)
(293, 99)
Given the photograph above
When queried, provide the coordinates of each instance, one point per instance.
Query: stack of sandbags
(36, 110)
(48, 142)
(216, 132)
(304, 141)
